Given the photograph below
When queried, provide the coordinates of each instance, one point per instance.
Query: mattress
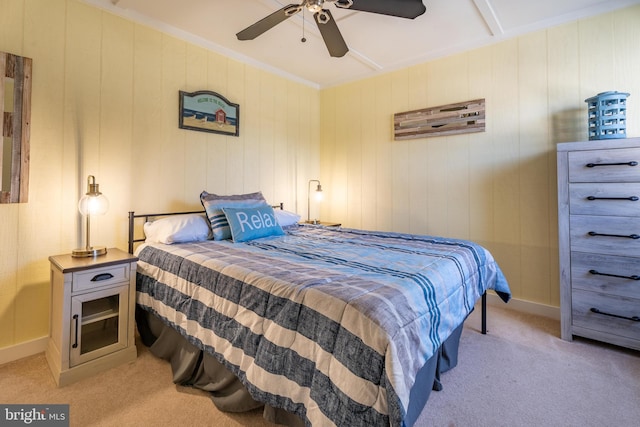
(333, 325)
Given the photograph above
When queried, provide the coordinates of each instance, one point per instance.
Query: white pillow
(286, 218)
(177, 229)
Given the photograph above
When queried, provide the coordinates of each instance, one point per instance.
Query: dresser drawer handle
(630, 236)
(634, 318)
(103, 276)
(630, 198)
(633, 277)
(593, 165)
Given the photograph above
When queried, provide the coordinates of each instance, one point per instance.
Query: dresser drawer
(619, 199)
(615, 165)
(100, 277)
(626, 308)
(610, 274)
(611, 235)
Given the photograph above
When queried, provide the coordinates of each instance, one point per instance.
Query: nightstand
(324, 223)
(92, 314)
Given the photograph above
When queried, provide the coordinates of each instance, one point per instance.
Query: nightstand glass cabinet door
(98, 324)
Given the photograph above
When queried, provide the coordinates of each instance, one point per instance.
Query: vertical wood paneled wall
(498, 187)
(105, 102)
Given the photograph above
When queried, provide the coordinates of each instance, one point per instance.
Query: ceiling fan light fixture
(314, 6)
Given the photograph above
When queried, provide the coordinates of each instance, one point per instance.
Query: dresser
(599, 240)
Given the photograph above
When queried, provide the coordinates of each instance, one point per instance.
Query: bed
(321, 325)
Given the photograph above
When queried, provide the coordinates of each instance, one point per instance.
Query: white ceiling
(377, 43)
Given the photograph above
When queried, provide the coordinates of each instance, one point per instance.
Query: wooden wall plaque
(15, 93)
(451, 119)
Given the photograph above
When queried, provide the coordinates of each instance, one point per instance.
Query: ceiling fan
(324, 19)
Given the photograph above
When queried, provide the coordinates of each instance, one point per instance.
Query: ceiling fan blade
(253, 31)
(331, 34)
(401, 8)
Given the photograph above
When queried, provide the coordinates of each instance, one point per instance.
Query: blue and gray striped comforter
(331, 324)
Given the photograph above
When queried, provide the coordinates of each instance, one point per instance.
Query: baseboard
(524, 306)
(24, 349)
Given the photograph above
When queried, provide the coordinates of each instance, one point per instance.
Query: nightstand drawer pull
(630, 198)
(593, 165)
(630, 236)
(75, 319)
(633, 277)
(633, 318)
(103, 276)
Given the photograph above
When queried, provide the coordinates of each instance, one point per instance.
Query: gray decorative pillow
(213, 204)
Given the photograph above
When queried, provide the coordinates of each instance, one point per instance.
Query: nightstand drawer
(611, 235)
(100, 277)
(609, 274)
(619, 199)
(615, 165)
(607, 314)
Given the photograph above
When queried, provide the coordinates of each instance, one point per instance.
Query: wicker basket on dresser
(599, 240)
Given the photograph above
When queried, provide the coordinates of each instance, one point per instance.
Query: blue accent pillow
(252, 223)
(213, 204)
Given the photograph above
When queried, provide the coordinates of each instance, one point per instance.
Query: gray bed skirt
(193, 367)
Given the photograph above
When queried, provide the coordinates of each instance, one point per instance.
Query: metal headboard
(133, 216)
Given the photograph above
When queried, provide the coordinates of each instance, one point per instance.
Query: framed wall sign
(208, 111)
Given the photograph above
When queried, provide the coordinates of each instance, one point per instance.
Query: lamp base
(91, 251)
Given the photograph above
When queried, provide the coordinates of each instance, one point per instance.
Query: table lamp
(92, 203)
(318, 196)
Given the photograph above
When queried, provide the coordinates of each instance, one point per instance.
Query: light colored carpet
(520, 374)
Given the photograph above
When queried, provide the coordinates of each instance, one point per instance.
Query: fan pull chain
(303, 39)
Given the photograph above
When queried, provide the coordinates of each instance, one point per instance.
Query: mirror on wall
(15, 113)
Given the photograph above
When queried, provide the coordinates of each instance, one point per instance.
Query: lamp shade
(93, 204)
